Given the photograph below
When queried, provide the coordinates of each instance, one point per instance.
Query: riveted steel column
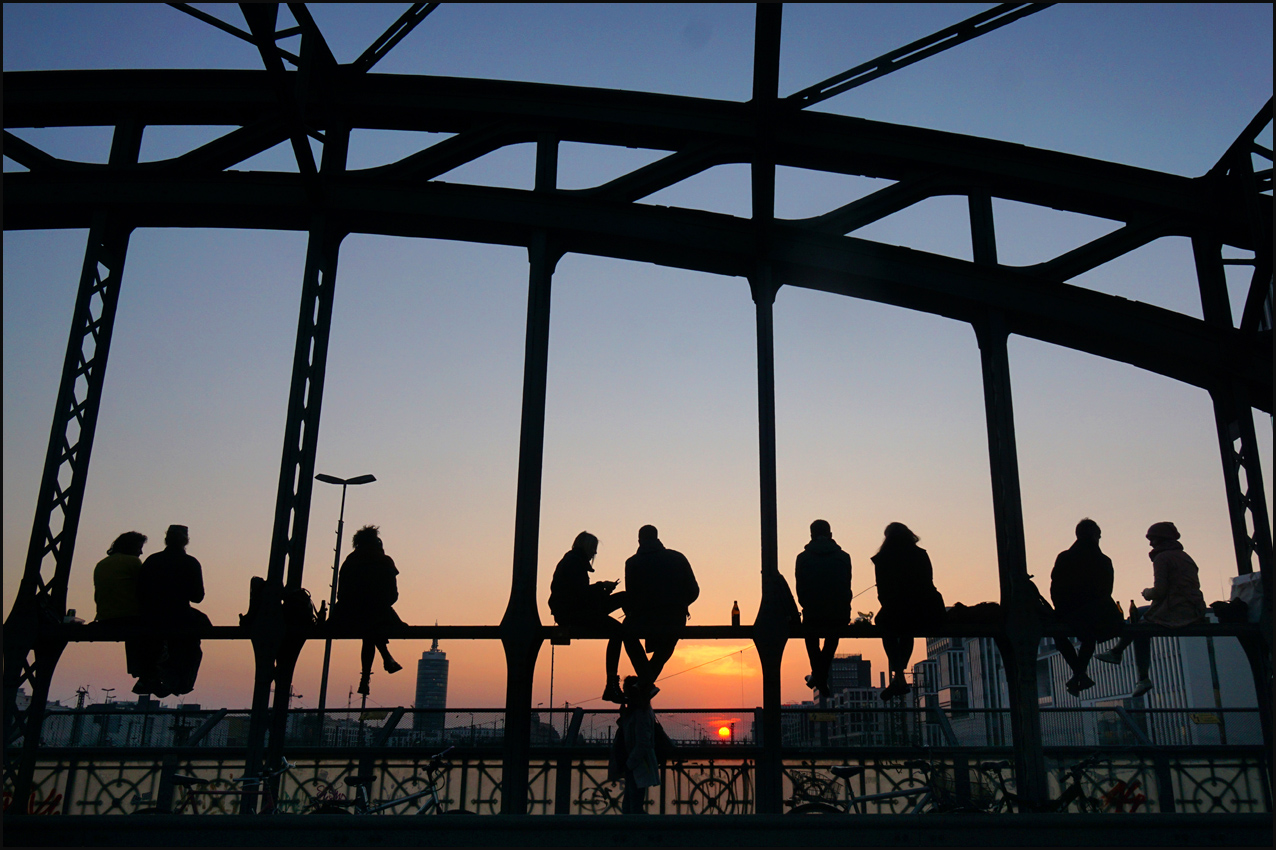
(1018, 600)
(770, 628)
(1242, 478)
(275, 651)
(66, 469)
(520, 627)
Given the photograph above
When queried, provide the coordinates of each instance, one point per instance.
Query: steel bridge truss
(317, 98)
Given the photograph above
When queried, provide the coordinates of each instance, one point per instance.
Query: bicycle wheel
(816, 809)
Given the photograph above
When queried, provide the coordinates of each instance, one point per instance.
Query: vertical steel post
(28, 660)
(1018, 600)
(520, 627)
(275, 652)
(1246, 501)
(770, 629)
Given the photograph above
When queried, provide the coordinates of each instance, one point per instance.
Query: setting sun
(724, 731)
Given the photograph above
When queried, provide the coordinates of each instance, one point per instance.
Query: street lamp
(336, 564)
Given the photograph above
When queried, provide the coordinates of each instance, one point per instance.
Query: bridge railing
(106, 760)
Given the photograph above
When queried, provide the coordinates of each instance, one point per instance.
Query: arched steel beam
(634, 119)
(1143, 335)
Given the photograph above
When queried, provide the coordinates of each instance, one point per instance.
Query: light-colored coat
(1176, 593)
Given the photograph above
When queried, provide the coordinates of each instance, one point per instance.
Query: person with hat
(167, 584)
(1175, 595)
(574, 601)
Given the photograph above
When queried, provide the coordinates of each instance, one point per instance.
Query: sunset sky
(652, 373)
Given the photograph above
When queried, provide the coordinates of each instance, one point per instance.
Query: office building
(431, 691)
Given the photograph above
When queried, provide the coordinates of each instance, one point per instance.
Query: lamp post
(332, 599)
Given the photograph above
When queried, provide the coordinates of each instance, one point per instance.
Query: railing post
(521, 625)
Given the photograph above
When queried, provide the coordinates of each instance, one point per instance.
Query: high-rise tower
(431, 690)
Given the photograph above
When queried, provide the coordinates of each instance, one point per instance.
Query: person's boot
(613, 693)
(1109, 657)
(363, 684)
(390, 665)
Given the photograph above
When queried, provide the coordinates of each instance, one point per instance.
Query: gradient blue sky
(652, 381)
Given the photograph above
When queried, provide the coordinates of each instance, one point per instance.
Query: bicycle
(929, 798)
(196, 788)
(1115, 799)
(435, 769)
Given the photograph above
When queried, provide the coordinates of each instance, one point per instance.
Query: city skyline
(652, 379)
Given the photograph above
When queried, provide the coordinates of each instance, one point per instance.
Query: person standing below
(1081, 590)
(823, 574)
(659, 590)
(909, 600)
(575, 602)
(169, 581)
(115, 595)
(1175, 595)
(366, 592)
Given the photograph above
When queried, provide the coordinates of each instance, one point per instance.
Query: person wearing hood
(1081, 590)
(823, 574)
(659, 588)
(574, 601)
(1175, 595)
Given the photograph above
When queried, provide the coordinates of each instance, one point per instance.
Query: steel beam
(664, 122)
(521, 625)
(770, 634)
(1153, 338)
(1018, 599)
(42, 600)
(275, 650)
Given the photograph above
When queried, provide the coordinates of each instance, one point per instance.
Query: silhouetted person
(659, 589)
(638, 747)
(823, 574)
(575, 602)
(169, 581)
(1081, 590)
(1175, 595)
(366, 592)
(115, 595)
(910, 602)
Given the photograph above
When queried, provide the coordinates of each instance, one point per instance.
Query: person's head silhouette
(821, 528)
(128, 543)
(648, 533)
(369, 536)
(1088, 529)
(585, 544)
(177, 537)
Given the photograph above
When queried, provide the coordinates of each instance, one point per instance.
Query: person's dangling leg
(387, 661)
(366, 654)
(813, 656)
(612, 691)
(1143, 664)
(1069, 653)
(827, 655)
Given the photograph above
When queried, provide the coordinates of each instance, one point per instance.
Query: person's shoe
(810, 683)
(1142, 686)
(391, 666)
(653, 690)
(1079, 683)
(1109, 657)
(613, 693)
(363, 684)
